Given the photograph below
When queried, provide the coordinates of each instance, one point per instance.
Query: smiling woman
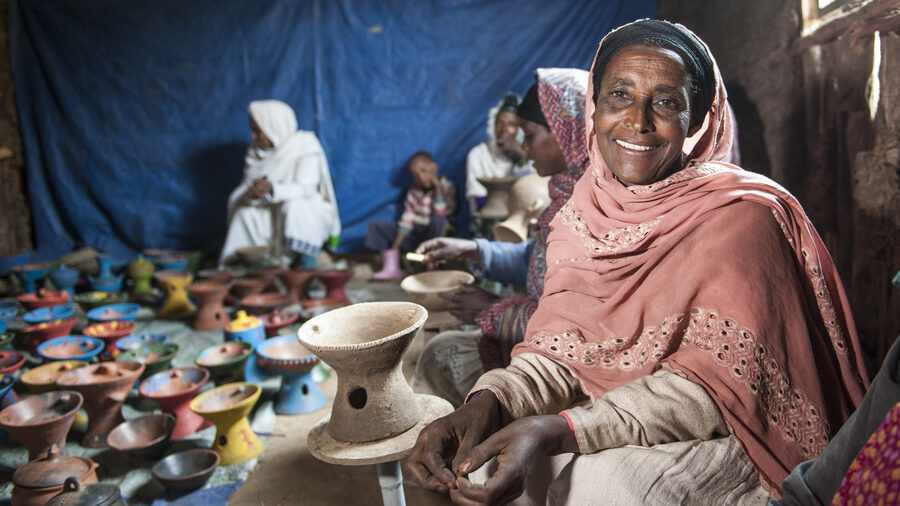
(693, 342)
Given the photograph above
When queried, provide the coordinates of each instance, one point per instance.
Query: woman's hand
(518, 447)
(511, 149)
(449, 248)
(449, 439)
(468, 301)
(259, 188)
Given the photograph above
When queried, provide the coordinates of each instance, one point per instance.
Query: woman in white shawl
(286, 196)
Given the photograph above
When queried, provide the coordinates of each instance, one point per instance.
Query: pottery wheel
(327, 449)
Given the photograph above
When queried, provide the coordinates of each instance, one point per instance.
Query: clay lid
(243, 322)
(51, 470)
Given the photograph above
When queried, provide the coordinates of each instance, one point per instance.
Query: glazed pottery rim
(249, 350)
(196, 402)
(59, 322)
(335, 313)
(17, 362)
(167, 432)
(128, 312)
(260, 350)
(124, 367)
(106, 331)
(196, 474)
(27, 379)
(96, 343)
(195, 386)
(171, 349)
(432, 274)
(37, 420)
(140, 344)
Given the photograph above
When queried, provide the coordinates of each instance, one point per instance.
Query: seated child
(429, 202)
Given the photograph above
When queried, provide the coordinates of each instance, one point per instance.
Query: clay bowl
(298, 393)
(70, 348)
(186, 470)
(111, 312)
(40, 332)
(286, 354)
(144, 438)
(274, 322)
(109, 332)
(41, 420)
(214, 275)
(42, 379)
(6, 316)
(43, 298)
(138, 340)
(262, 303)
(252, 256)
(297, 283)
(91, 300)
(425, 288)
(49, 313)
(104, 387)
(248, 286)
(225, 361)
(155, 357)
(11, 361)
(173, 389)
(334, 281)
(315, 307)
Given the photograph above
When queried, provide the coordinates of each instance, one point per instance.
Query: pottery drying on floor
(49, 313)
(40, 421)
(141, 272)
(186, 470)
(42, 379)
(274, 322)
(111, 312)
(109, 332)
(91, 300)
(262, 303)
(248, 286)
(70, 348)
(43, 298)
(297, 283)
(425, 288)
(227, 407)
(104, 387)
(144, 437)
(210, 298)
(30, 275)
(173, 390)
(298, 393)
(248, 329)
(44, 331)
(138, 340)
(38, 481)
(174, 284)
(225, 362)
(155, 357)
(335, 280)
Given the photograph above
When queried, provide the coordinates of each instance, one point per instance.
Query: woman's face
(542, 148)
(643, 114)
(258, 136)
(506, 125)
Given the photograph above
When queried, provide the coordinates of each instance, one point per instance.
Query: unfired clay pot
(38, 481)
(334, 281)
(425, 288)
(41, 421)
(297, 283)
(529, 197)
(495, 207)
(104, 387)
(262, 303)
(365, 344)
(173, 390)
(210, 297)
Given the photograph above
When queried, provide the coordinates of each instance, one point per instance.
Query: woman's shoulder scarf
(716, 274)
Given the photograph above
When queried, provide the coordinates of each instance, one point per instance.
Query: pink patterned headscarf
(716, 274)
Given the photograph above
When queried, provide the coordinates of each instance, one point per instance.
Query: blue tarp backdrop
(134, 113)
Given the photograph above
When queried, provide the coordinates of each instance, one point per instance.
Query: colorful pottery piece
(173, 390)
(297, 283)
(144, 437)
(46, 314)
(227, 407)
(125, 312)
(137, 340)
(82, 348)
(6, 383)
(11, 361)
(30, 274)
(106, 281)
(261, 303)
(43, 298)
(64, 278)
(274, 322)
(186, 470)
(174, 262)
(174, 284)
(38, 481)
(39, 332)
(141, 272)
(248, 286)
(365, 344)
(6, 340)
(109, 332)
(248, 329)
(155, 357)
(42, 379)
(104, 387)
(498, 189)
(225, 362)
(6, 316)
(425, 288)
(285, 356)
(210, 298)
(40, 421)
(334, 281)
(91, 300)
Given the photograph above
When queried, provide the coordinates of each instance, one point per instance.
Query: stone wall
(803, 120)
(15, 213)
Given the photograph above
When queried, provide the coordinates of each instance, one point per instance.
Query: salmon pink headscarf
(714, 273)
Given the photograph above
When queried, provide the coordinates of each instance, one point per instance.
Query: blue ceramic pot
(122, 312)
(64, 278)
(49, 313)
(70, 348)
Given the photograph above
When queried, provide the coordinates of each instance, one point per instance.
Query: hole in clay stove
(223, 440)
(357, 398)
(305, 389)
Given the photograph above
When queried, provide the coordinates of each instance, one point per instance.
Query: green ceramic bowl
(91, 300)
(156, 357)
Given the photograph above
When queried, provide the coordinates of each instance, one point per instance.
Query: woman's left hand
(467, 302)
(518, 447)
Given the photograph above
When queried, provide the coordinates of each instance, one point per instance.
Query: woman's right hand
(449, 439)
(449, 248)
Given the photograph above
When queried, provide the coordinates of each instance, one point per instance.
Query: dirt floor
(289, 474)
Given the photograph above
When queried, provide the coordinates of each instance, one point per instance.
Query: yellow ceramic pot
(175, 284)
(227, 407)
